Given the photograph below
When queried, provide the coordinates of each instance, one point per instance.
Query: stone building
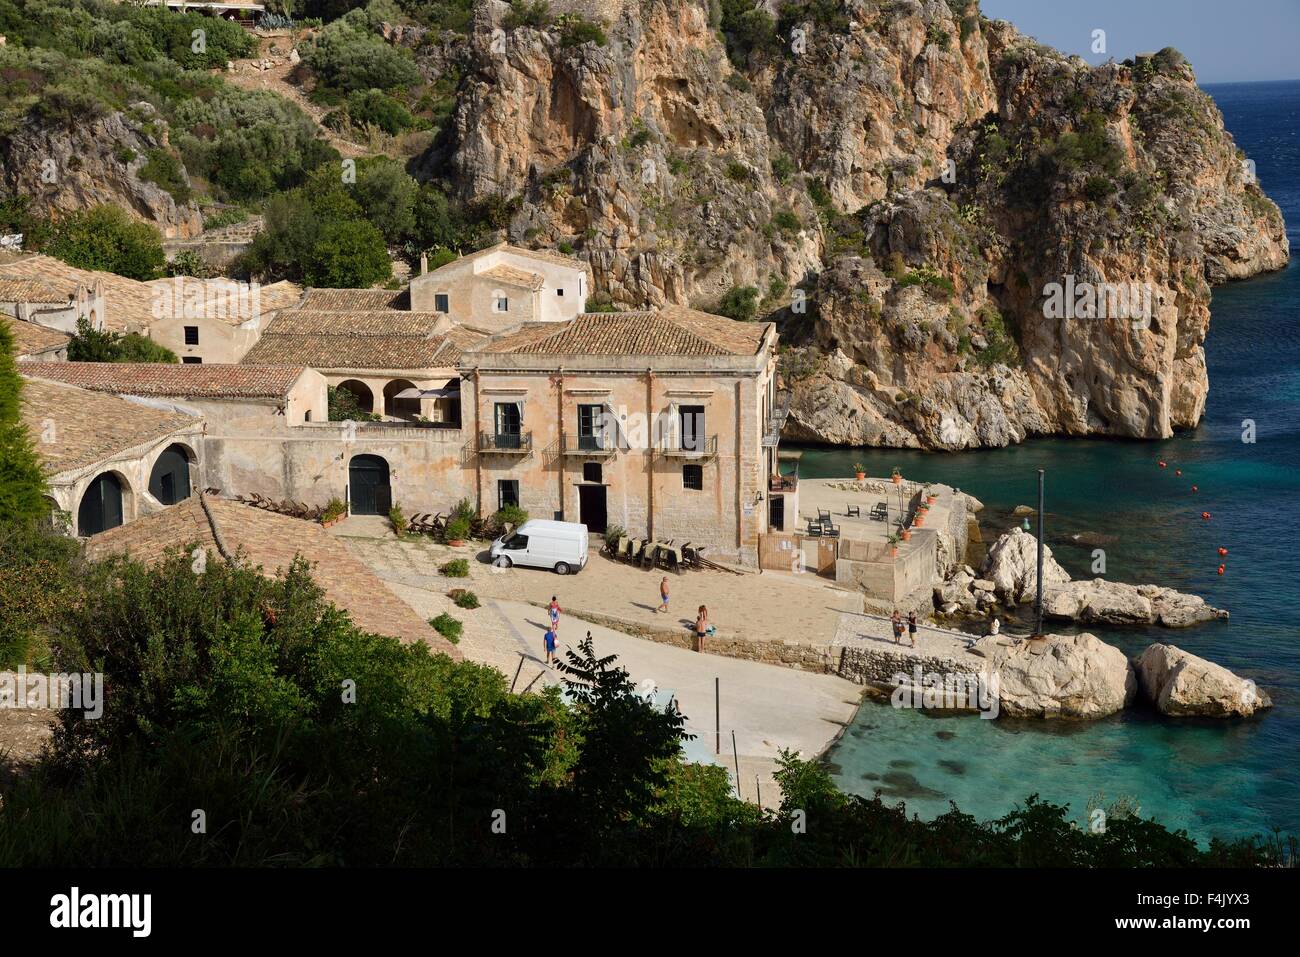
(36, 343)
(214, 320)
(658, 422)
(41, 302)
(108, 460)
(503, 286)
(400, 365)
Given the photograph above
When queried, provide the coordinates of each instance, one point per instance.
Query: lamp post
(1038, 601)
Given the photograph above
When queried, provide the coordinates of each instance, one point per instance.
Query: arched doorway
(101, 506)
(400, 408)
(169, 482)
(368, 489)
(360, 392)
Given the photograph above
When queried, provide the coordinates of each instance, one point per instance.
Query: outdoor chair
(814, 528)
(880, 512)
(830, 531)
(823, 516)
(853, 511)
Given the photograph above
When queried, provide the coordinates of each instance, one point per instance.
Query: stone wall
(877, 667)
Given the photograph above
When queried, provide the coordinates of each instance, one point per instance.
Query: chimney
(424, 263)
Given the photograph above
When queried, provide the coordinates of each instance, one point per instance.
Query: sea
(1211, 778)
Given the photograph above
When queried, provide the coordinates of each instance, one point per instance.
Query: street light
(1038, 601)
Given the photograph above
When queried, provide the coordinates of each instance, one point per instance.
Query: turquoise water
(1224, 779)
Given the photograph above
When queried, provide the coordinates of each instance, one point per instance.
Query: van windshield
(516, 542)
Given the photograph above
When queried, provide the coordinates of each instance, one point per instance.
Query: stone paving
(876, 631)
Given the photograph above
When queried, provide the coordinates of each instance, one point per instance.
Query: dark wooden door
(101, 506)
(368, 485)
(591, 508)
(169, 482)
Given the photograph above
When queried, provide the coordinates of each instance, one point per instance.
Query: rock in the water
(1115, 603)
(1179, 683)
(1012, 566)
(1059, 676)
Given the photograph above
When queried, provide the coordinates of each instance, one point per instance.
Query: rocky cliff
(115, 158)
(967, 237)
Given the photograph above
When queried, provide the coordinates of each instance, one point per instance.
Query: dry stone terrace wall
(877, 667)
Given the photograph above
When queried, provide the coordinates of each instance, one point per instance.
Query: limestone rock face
(96, 162)
(1059, 676)
(1115, 603)
(1179, 683)
(1012, 567)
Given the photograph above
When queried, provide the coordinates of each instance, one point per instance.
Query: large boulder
(1012, 566)
(1179, 683)
(1115, 603)
(1058, 676)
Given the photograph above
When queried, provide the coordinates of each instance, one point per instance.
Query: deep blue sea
(1226, 778)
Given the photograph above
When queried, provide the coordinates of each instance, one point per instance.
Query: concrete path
(858, 631)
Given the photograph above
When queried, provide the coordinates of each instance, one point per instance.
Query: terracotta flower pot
(897, 479)
(907, 534)
(920, 520)
(931, 499)
(456, 542)
(860, 476)
(893, 552)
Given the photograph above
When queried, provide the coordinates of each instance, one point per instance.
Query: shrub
(348, 255)
(528, 13)
(379, 109)
(613, 533)
(447, 626)
(163, 168)
(93, 345)
(464, 598)
(456, 568)
(782, 168)
(345, 57)
(335, 509)
(464, 509)
(106, 238)
(511, 515)
(576, 30)
(740, 303)
(22, 480)
(458, 529)
(786, 221)
(397, 520)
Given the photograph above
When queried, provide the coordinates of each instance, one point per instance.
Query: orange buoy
(1221, 568)
(1205, 515)
(1178, 471)
(1162, 463)
(1193, 488)
(1222, 552)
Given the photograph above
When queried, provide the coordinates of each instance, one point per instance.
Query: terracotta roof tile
(354, 300)
(72, 428)
(366, 322)
(545, 255)
(32, 339)
(366, 339)
(674, 331)
(272, 542)
(208, 380)
(30, 290)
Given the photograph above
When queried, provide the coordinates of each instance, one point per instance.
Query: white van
(561, 546)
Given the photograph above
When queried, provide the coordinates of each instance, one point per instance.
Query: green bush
(447, 626)
(107, 238)
(575, 31)
(511, 515)
(456, 568)
(458, 530)
(94, 345)
(22, 480)
(528, 13)
(397, 519)
(464, 598)
(740, 303)
(379, 109)
(346, 57)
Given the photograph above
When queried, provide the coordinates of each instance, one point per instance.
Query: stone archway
(360, 392)
(170, 480)
(369, 488)
(102, 504)
(400, 408)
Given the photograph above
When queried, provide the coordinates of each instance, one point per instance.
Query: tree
(739, 303)
(94, 345)
(348, 254)
(22, 481)
(106, 238)
(387, 195)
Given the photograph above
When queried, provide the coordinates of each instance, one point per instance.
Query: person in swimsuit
(555, 612)
(663, 594)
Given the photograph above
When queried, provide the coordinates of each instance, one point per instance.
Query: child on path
(663, 595)
(551, 638)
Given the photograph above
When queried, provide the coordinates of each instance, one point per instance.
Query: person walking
(911, 627)
(663, 595)
(551, 638)
(554, 609)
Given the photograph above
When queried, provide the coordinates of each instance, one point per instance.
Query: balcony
(588, 445)
(689, 447)
(783, 483)
(506, 443)
(776, 421)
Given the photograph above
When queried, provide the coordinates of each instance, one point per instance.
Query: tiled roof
(369, 322)
(129, 302)
(516, 277)
(32, 339)
(224, 299)
(668, 332)
(72, 428)
(545, 255)
(208, 380)
(353, 300)
(30, 290)
(272, 542)
(368, 339)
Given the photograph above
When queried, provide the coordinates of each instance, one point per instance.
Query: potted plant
(931, 496)
(893, 546)
(457, 531)
(860, 471)
(333, 513)
(896, 476)
(907, 534)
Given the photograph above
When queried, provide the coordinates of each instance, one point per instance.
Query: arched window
(101, 506)
(398, 407)
(359, 391)
(169, 482)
